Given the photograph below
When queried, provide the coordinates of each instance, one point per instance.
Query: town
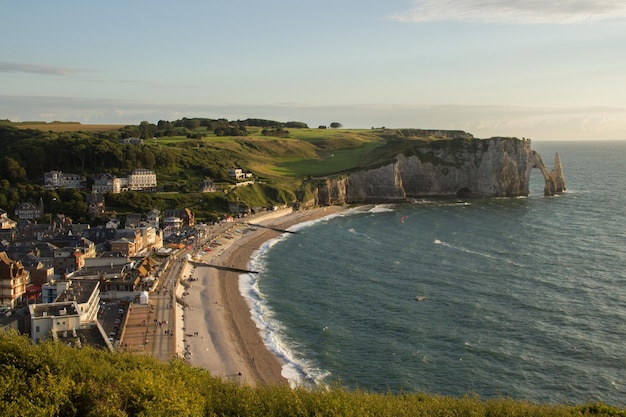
(78, 284)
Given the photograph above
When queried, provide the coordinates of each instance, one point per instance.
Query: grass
(53, 379)
(67, 126)
(330, 162)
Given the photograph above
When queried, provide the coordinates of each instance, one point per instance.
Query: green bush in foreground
(56, 380)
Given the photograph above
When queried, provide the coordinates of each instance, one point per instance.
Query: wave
(382, 208)
(473, 252)
(297, 371)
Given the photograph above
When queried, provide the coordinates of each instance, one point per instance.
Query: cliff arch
(555, 179)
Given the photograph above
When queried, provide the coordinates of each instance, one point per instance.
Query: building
(137, 180)
(95, 205)
(13, 281)
(133, 220)
(131, 141)
(186, 216)
(70, 254)
(5, 222)
(236, 174)
(107, 183)
(72, 317)
(113, 223)
(29, 211)
(124, 246)
(153, 218)
(58, 179)
(50, 318)
(207, 186)
(142, 179)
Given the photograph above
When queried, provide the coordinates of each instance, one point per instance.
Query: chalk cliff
(461, 167)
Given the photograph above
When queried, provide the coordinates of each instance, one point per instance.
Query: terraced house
(13, 280)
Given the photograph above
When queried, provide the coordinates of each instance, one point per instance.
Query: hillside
(183, 153)
(53, 379)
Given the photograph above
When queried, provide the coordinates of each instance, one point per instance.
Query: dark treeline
(189, 127)
(28, 154)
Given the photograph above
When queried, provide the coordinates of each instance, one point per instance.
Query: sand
(217, 331)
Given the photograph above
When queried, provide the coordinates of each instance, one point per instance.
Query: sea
(521, 298)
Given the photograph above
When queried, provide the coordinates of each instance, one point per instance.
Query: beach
(215, 330)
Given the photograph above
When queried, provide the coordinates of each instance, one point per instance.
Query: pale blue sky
(537, 68)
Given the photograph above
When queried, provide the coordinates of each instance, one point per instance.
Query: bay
(522, 298)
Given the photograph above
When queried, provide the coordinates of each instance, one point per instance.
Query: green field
(329, 162)
(67, 127)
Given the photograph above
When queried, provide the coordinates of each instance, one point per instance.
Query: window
(36, 329)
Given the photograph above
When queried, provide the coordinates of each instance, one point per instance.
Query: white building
(236, 173)
(142, 179)
(75, 307)
(107, 183)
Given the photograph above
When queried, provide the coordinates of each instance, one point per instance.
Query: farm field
(67, 127)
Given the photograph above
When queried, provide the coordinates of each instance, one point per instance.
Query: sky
(540, 69)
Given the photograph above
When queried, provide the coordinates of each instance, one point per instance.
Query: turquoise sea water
(524, 297)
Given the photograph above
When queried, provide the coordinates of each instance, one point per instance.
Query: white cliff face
(496, 167)
(558, 175)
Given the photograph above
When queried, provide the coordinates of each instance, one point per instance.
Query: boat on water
(420, 298)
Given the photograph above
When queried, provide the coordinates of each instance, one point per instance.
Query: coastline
(215, 327)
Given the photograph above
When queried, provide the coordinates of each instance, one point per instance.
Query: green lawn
(330, 162)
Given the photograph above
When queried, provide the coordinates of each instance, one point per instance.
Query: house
(236, 174)
(5, 222)
(172, 222)
(133, 220)
(71, 253)
(153, 218)
(29, 211)
(13, 281)
(142, 179)
(131, 141)
(43, 253)
(95, 204)
(185, 215)
(207, 186)
(151, 238)
(58, 179)
(113, 223)
(40, 274)
(124, 246)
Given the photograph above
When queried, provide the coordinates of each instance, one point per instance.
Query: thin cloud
(513, 12)
(8, 67)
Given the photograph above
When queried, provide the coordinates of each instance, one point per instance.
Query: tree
(11, 170)
(147, 130)
(336, 125)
